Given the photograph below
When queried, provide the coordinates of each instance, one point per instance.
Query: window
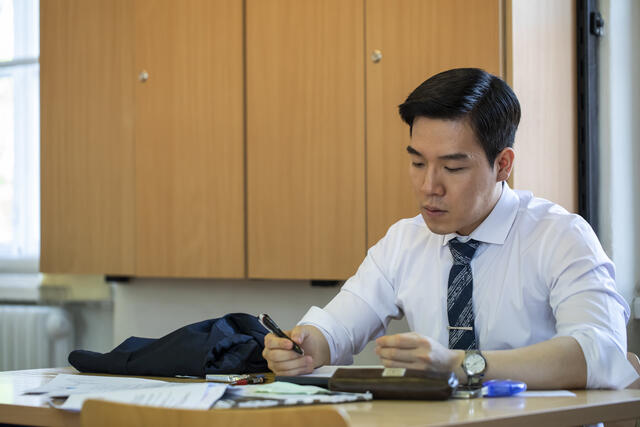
(19, 135)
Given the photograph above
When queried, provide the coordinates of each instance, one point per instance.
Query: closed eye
(417, 164)
(453, 169)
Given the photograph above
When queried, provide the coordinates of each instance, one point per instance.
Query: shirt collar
(495, 228)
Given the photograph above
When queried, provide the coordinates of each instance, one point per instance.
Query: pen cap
(497, 388)
(268, 323)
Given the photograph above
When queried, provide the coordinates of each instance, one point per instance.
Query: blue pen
(501, 388)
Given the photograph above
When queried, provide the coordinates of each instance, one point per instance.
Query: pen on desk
(251, 380)
(224, 378)
(502, 388)
(268, 323)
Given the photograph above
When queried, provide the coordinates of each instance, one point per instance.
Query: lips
(433, 211)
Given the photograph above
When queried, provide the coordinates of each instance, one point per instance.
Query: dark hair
(489, 103)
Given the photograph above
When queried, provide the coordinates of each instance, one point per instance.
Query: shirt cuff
(339, 349)
(607, 364)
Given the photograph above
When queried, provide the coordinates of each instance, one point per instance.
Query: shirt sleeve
(587, 306)
(360, 312)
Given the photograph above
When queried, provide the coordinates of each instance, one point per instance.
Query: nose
(432, 184)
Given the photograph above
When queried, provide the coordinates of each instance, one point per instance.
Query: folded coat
(230, 344)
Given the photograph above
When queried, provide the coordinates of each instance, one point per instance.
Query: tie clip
(464, 328)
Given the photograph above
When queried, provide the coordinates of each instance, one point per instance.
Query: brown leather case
(411, 385)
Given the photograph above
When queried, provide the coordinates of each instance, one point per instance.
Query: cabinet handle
(376, 56)
(143, 76)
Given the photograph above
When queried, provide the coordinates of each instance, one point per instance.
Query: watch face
(474, 363)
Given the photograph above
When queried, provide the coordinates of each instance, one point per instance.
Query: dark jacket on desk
(230, 344)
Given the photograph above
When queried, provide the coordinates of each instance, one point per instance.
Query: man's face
(455, 187)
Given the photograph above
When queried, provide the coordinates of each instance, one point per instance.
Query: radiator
(34, 336)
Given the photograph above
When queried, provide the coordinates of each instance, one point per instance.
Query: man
(483, 267)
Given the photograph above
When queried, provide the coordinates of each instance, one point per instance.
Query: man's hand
(281, 358)
(414, 351)
(557, 363)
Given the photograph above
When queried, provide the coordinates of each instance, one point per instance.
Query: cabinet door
(417, 39)
(305, 138)
(87, 193)
(189, 139)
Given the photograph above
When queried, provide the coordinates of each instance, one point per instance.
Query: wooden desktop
(587, 407)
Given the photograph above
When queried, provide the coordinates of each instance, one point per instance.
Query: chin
(436, 228)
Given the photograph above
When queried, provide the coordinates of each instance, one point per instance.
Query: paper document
(280, 387)
(64, 385)
(279, 394)
(177, 395)
(546, 393)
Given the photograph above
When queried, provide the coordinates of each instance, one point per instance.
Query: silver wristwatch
(474, 365)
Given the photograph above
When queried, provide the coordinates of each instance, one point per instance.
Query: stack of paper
(177, 395)
(201, 395)
(136, 391)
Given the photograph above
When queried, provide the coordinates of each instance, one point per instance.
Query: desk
(587, 407)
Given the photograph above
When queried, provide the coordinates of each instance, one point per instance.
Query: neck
(495, 196)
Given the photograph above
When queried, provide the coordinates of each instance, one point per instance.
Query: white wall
(619, 111)
(93, 325)
(154, 307)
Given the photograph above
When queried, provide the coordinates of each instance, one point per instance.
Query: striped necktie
(460, 296)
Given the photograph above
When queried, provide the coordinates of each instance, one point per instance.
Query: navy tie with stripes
(459, 296)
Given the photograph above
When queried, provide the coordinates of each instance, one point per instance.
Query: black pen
(268, 323)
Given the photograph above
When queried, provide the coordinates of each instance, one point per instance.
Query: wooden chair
(97, 413)
(635, 361)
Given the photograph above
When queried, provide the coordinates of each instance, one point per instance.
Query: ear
(504, 164)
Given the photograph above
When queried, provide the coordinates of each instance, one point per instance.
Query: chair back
(635, 362)
(97, 413)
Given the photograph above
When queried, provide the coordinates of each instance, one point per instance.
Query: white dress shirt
(538, 273)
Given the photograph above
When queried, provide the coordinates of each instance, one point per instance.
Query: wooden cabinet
(87, 163)
(189, 139)
(310, 101)
(142, 178)
(157, 178)
(305, 138)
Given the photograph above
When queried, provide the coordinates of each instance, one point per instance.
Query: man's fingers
(298, 334)
(281, 359)
(407, 340)
(298, 366)
(273, 342)
(397, 354)
(278, 355)
(408, 350)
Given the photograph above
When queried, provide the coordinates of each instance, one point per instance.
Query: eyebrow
(412, 150)
(452, 156)
(455, 156)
